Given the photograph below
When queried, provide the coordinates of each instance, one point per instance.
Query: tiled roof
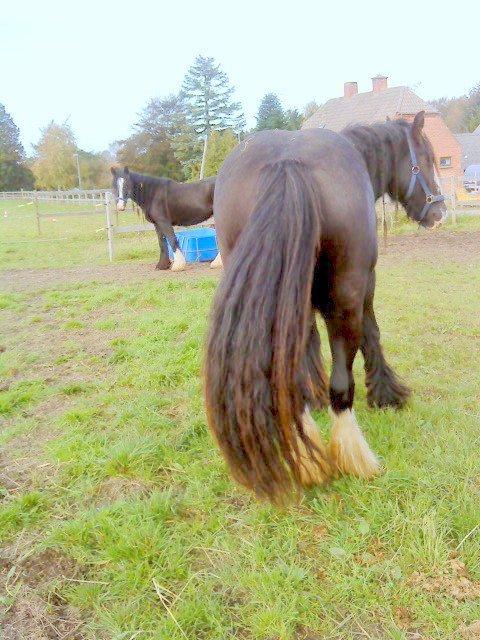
(470, 143)
(366, 108)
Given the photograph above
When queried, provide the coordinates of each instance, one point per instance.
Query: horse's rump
(260, 325)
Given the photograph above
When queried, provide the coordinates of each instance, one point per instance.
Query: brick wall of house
(443, 142)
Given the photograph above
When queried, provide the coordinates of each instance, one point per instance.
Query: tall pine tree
(209, 99)
(14, 173)
(270, 113)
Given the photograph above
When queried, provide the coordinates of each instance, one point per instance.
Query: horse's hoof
(393, 395)
(178, 267)
(217, 263)
(162, 266)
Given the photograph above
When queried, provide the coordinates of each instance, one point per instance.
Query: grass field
(65, 240)
(118, 519)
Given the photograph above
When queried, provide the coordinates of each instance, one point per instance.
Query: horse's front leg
(383, 387)
(164, 260)
(179, 261)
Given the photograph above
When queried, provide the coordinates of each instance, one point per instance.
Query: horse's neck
(143, 191)
(377, 145)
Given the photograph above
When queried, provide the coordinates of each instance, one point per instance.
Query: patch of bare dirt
(30, 610)
(453, 581)
(426, 246)
(21, 280)
(22, 464)
(432, 247)
(33, 618)
(119, 488)
(470, 631)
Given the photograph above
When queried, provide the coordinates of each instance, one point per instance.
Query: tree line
(181, 136)
(462, 114)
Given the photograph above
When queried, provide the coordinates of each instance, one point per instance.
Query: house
(470, 145)
(393, 102)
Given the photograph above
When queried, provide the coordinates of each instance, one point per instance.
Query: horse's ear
(418, 122)
(126, 171)
(113, 170)
(388, 119)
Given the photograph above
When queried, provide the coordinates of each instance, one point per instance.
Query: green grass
(66, 240)
(106, 397)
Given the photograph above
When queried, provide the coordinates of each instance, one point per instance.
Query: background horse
(296, 224)
(165, 203)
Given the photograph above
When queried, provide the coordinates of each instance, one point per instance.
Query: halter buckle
(415, 169)
(430, 199)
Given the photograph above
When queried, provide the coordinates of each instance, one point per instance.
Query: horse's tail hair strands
(260, 325)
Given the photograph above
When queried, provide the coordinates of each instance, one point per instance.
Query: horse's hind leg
(316, 468)
(349, 449)
(383, 387)
(315, 463)
(314, 377)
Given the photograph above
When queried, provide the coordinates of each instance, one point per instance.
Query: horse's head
(122, 185)
(417, 183)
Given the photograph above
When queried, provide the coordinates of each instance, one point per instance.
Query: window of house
(446, 161)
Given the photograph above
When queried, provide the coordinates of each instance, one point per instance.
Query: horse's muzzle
(120, 205)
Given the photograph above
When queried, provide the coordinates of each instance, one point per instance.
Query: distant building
(470, 144)
(394, 102)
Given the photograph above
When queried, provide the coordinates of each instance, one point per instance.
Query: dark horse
(165, 203)
(295, 218)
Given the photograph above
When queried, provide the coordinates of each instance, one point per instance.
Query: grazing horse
(295, 219)
(165, 203)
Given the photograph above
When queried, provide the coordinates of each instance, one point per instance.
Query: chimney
(379, 83)
(350, 89)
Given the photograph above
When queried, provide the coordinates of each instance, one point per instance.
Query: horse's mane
(144, 189)
(382, 145)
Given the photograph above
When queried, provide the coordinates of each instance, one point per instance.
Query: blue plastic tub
(197, 245)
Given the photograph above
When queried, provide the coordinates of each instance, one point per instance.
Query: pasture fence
(72, 195)
(57, 216)
(89, 216)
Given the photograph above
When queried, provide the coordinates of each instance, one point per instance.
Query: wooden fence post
(109, 226)
(454, 200)
(37, 215)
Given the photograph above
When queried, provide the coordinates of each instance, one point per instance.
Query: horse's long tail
(259, 330)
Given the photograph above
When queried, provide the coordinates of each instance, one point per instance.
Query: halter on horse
(417, 174)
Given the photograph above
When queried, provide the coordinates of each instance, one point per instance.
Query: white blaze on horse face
(120, 199)
(179, 261)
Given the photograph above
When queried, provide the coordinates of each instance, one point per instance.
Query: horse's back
(347, 200)
(191, 202)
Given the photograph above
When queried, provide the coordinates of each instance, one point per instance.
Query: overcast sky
(97, 63)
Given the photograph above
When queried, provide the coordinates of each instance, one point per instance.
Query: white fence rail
(73, 195)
